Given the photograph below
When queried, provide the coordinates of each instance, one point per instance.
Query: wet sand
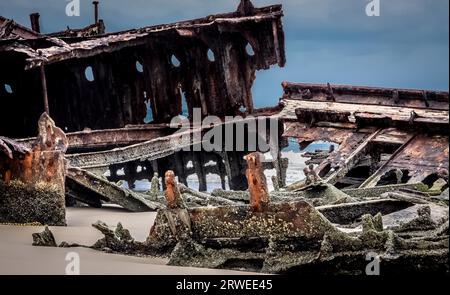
(18, 256)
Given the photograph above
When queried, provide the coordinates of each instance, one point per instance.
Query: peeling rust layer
(32, 184)
(43, 162)
(259, 194)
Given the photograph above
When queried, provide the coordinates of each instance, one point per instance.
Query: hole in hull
(89, 74)
(139, 67)
(211, 56)
(8, 88)
(249, 49)
(175, 61)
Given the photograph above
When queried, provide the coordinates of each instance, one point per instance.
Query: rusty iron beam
(392, 136)
(9, 29)
(411, 98)
(346, 163)
(150, 150)
(111, 138)
(44, 89)
(92, 189)
(116, 41)
(35, 25)
(257, 183)
(314, 112)
(304, 133)
(172, 192)
(421, 156)
(95, 3)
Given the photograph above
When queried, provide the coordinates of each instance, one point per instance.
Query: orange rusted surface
(42, 163)
(172, 193)
(257, 184)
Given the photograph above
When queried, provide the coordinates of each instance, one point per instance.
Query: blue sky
(334, 41)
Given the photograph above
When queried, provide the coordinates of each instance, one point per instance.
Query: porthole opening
(249, 49)
(175, 61)
(211, 56)
(89, 74)
(243, 109)
(8, 88)
(139, 67)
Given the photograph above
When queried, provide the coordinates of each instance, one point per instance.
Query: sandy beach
(18, 256)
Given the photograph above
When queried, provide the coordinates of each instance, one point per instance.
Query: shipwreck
(84, 112)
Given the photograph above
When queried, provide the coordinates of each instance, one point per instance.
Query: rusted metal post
(311, 175)
(44, 89)
(172, 193)
(257, 183)
(34, 18)
(276, 41)
(330, 93)
(95, 11)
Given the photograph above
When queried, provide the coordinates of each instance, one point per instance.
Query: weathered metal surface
(9, 29)
(346, 114)
(419, 158)
(97, 28)
(43, 162)
(94, 190)
(219, 86)
(259, 194)
(147, 72)
(351, 212)
(407, 98)
(172, 192)
(148, 150)
(296, 219)
(369, 115)
(347, 161)
(116, 41)
(306, 134)
(111, 138)
(32, 179)
(375, 192)
(392, 136)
